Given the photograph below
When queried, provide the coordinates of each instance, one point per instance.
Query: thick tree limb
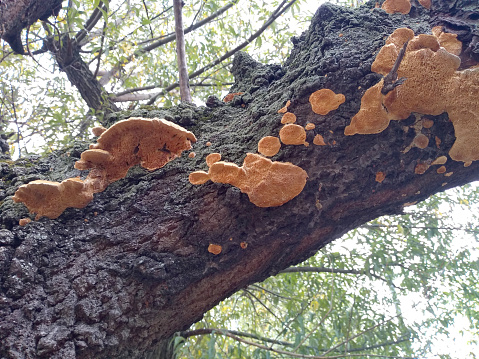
(125, 273)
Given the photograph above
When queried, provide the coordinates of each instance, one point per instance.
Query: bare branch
(91, 22)
(105, 79)
(132, 97)
(185, 93)
(277, 13)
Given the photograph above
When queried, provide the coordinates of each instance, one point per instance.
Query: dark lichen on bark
(124, 273)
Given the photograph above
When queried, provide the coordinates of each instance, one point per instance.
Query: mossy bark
(118, 277)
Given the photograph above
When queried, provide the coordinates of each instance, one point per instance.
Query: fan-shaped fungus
(212, 158)
(215, 249)
(319, 140)
(394, 6)
(267, 183)
(433, 86)
(149, 142)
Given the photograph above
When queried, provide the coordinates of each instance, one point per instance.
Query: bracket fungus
(433, 85)
(152, 143)
(50, 199)
(325, 100)
(267, 183)
(292, 134)
(269, 146)
(396, 6)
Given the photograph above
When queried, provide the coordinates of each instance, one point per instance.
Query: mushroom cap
(292, 134)
(325, 100)
(269, 146)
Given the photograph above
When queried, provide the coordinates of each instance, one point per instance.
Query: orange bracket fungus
(285, 108)
(432, 85)
(323, 101)
(152, 143)
(292, 134)
(319, 140)
(267, 183)
(269, 146)
(288, 117)
(215, 249)
(212, 158)
(395, 6)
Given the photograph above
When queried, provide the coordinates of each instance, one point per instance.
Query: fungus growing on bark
(319, 140)
(285, 108)
(421, 141)
(432, 86)
(421, 168)
(441, 169)
(292, 134)
(212, 158)
(215, 249)
(288, 117)
(447, 40)
(97, 131)
(380, 176)
(198, 177)
(50, 199)
(309, 126)
(269, 146)
(323, 101)
(243, 245)
(149, 142)
(439, 161)
(191, 155)
(229, 97)
(425, 3)
(24, 221)
(395, 6)
(267, 183)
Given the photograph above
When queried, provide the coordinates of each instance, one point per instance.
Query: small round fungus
(208, 144)
(292, 134)
(191, 155)
(310, 126)
(323, 101)
(421, 168)
(425, 3)
(427, 123)
(243, 245)
(212, 158)
(229, 97)
(395, 6)
(198, 177)
(215, 249)
(441, 169)
(24, 221)
(269, 146)
(380, 176)
(421, 141)
(288, 117)
(285, 108)
(467, 164)
(439, 161)
(319, 140)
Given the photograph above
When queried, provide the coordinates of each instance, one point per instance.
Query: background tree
(121, 276)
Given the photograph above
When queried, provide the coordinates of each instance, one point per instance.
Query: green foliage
(399, 284)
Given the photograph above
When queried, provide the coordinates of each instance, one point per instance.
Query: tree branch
(185, 93)
(106, 78)
(277, 13)
(91, 22)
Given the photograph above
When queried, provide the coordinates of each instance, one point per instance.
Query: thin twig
(185, 93)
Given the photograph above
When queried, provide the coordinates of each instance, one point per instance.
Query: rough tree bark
(122, 275)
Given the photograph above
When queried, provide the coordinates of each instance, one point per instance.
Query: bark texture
(68, 58)
(18, 14)
(122, 275)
